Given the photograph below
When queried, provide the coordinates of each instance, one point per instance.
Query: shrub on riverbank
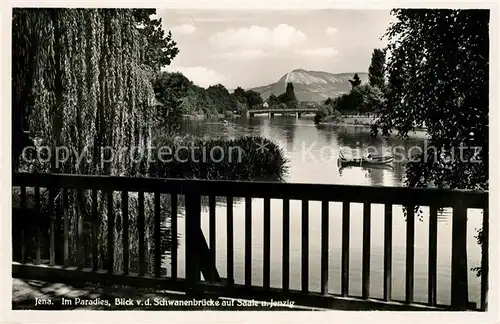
(243, 158)
(327, 114)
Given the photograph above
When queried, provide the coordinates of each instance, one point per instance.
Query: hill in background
(312, 85)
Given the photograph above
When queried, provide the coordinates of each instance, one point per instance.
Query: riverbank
(368, 121)
(210, 117)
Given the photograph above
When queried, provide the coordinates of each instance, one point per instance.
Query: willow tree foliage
(86, 85)
(438, 77)
(82, 80)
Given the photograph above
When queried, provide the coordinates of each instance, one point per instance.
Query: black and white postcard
(254, 159)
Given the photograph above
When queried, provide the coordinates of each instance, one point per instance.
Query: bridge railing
(198, 262)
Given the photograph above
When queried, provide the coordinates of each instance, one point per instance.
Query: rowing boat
(366, 160)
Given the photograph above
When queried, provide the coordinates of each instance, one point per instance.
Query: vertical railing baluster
(38, 214)
(248, 241)
(410, 252)
(65, 227)
(432, 281)
(305, 246)
(23, 224)
(125, 232)
(174, 228)
(346, 219)
(485, 259)
(58, 228)
(212, 231)
(324, 246)
(387, 252)
(95, 260)
(52, 228)
(267, 242)
(79, 222)
(230, 243)
(111, 232)
(286, 245)
(141, 231)
(193, 229)
(157, 234)
(459, 271)
(366, 250)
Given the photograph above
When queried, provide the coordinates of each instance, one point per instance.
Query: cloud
(185, 29)
(243, 54)
(320, 52)
(331, 31)
(200, 76)
(256, 37)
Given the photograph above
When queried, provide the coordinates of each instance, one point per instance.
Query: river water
(313, 151)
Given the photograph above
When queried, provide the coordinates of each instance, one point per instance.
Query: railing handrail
(260, 189)
(284, 110)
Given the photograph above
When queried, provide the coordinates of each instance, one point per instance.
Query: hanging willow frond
(83, 85)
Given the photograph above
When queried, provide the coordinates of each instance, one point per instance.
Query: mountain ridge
(312, 85)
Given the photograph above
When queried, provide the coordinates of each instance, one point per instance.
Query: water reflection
(313, 149)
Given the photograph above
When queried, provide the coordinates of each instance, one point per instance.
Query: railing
(277, 110)
(200, 256)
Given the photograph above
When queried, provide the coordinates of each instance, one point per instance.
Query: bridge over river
(297, 112)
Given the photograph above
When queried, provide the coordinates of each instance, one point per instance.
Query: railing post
(485, 260)
(79, 212)
(111, 232)
(459, 283)
(387, 252)
(95, 232)
(366, 250)
(126, 243)
(345, 247)
(52, 228)
(267, 243)
(23, 220)
(173, 244)
(141, 231)
(193, 221)
(212, 233)
(230, 241)
(66, 228)
(38, 253)
(433, 233)
(286, 245)
(248, 242)
(410, 252)
(157, 234)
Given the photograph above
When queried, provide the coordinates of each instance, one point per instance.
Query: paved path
(42, 295)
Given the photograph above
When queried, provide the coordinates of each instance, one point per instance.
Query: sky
(251, 48)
